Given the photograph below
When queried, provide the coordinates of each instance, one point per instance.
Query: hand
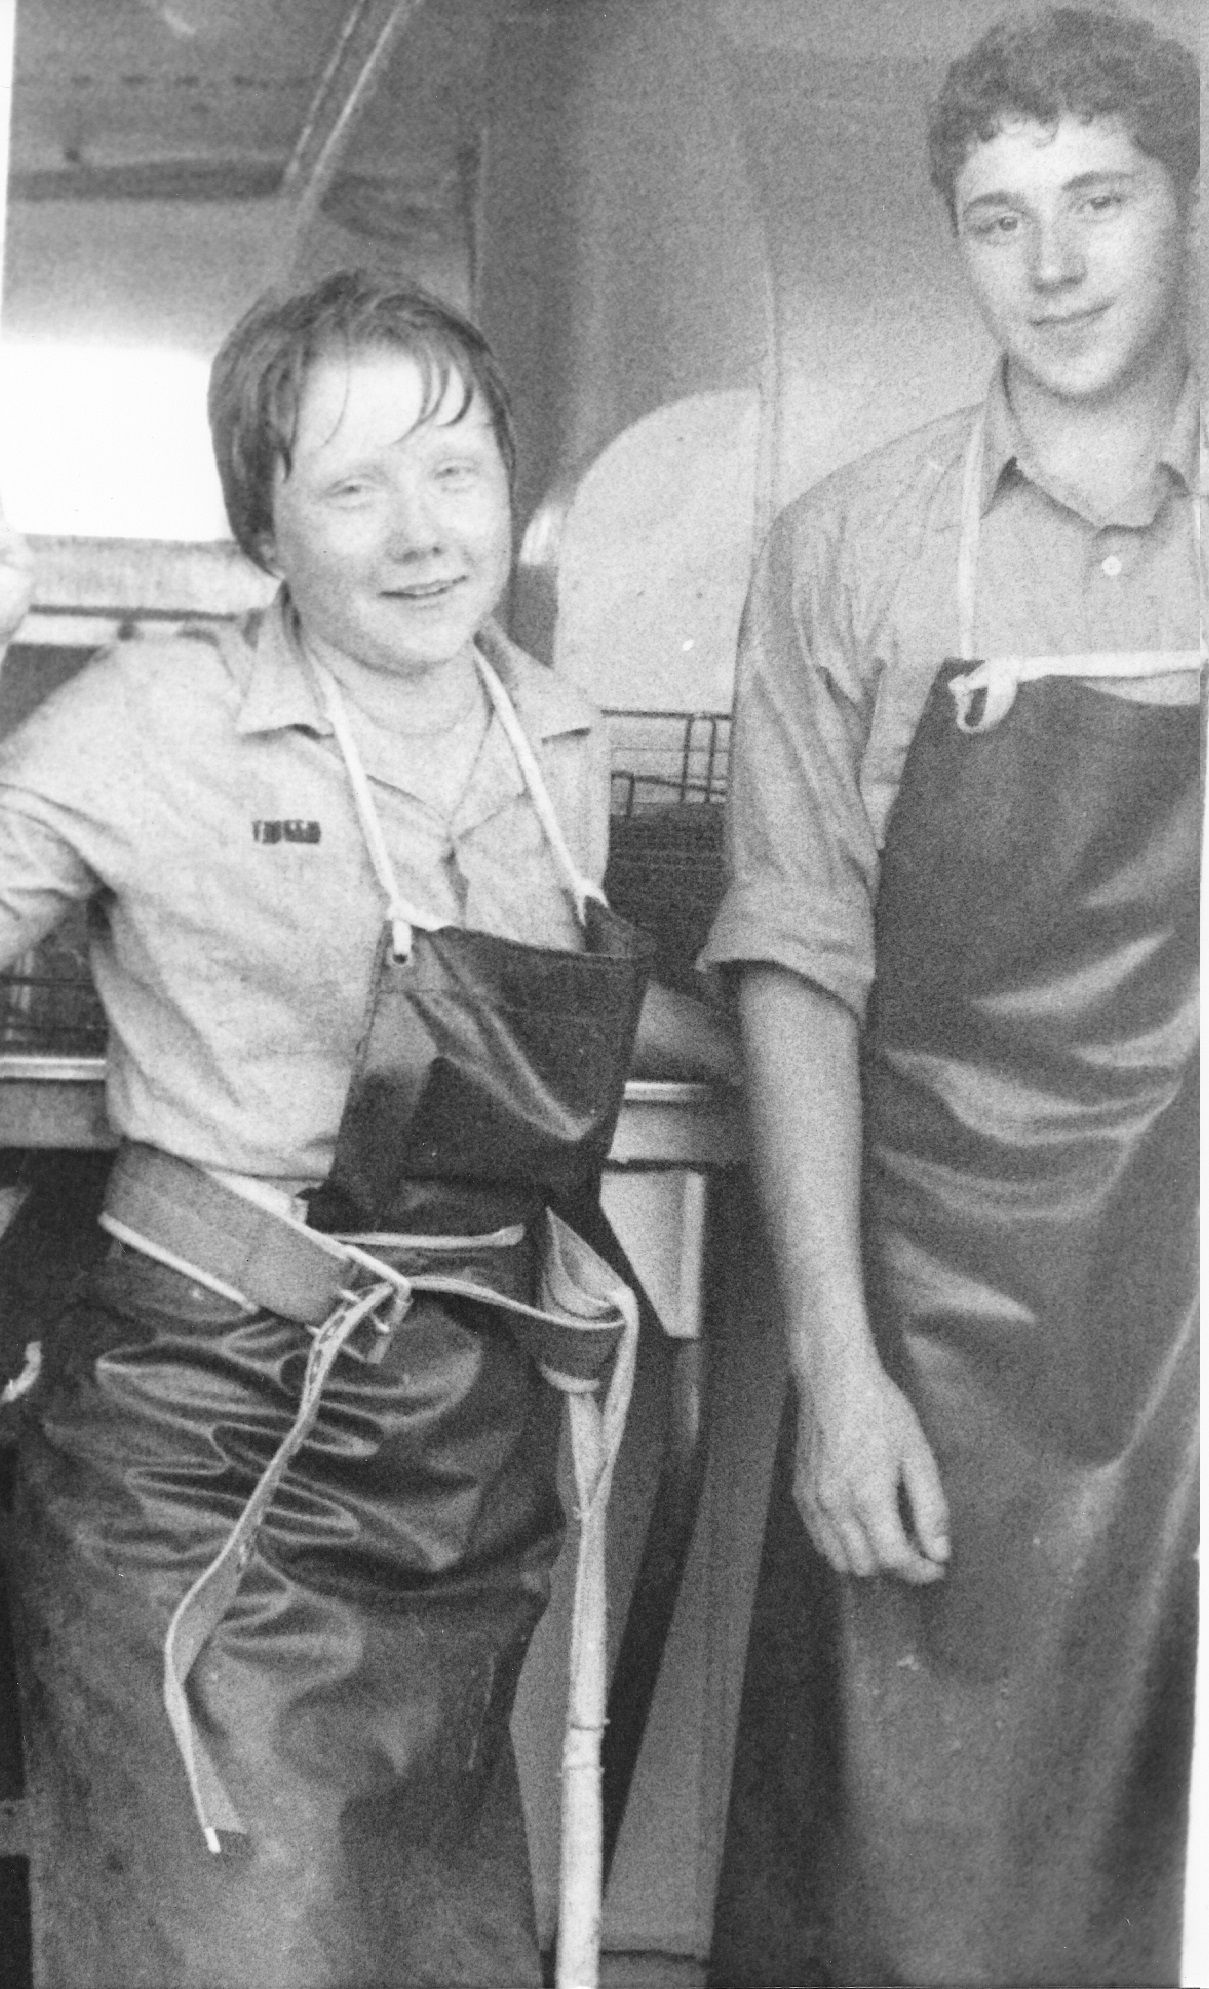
(16, 580)
(860, 1445)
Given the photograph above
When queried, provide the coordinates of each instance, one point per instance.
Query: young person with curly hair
(963, 917)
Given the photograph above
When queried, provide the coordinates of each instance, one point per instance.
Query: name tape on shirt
(286, 832)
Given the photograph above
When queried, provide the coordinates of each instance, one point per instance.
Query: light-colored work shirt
(196, 786)
(851, 613)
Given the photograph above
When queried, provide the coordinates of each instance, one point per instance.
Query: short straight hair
(259, 376)
(1079, 62)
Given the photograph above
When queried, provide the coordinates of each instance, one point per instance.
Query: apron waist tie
(181, 1216)
(986, 692)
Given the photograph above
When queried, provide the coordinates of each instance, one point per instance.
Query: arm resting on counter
(681, 1037)
(859, 1441)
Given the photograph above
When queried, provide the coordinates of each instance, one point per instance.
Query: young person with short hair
(965, 828)
(370, 1019)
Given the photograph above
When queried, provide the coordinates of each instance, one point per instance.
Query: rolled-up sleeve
(41, 876)
(801, 852)
(60, 774)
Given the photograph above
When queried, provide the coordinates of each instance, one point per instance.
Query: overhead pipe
(352, 73)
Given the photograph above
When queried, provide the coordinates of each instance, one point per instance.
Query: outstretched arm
(863, 1462)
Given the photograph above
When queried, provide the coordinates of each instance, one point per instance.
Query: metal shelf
(668, 758)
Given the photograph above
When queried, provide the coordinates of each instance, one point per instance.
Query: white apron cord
(580, 887)
(215, 1588)
(401, 914)
(572, 1273)
(581, 1834)
(1000, 676)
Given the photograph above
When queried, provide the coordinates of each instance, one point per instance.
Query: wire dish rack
(665, 874)
(48, 1006)
(662, 757)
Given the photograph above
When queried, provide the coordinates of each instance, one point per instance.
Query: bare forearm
(860, 1446)
(802, 1073)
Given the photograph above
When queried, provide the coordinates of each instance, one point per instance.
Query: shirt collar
(281, 690)
(1181, 452)
(1002, 441)
(546, 703)
(1004, 451)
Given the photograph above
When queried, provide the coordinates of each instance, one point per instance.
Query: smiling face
(1075, 246)
(392, 531)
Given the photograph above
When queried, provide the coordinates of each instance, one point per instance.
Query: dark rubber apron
(1016, 1739)
(356, 1697)
(490, 1073)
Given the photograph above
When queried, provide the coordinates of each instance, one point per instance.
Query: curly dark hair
(1080, 61)
(258, 377)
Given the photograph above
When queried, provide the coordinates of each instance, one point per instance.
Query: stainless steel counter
(53, 1101)
(58, 1101)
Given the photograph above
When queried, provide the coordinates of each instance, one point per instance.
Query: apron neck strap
(579, 887)
(967, 545)
(402, 914)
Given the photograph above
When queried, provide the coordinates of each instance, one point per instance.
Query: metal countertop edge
(18, 1068)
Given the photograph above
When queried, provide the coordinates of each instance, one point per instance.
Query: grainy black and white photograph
(603, 615)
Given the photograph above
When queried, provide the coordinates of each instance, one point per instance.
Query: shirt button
(1111, 566)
